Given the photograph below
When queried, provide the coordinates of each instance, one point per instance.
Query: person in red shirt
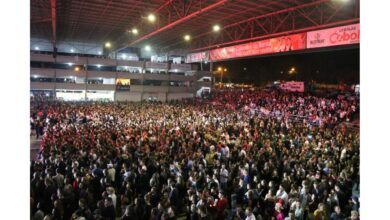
(222, 205)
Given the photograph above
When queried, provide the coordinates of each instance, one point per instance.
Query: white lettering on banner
(293, 86)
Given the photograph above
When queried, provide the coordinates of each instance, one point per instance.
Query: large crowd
(241, 154)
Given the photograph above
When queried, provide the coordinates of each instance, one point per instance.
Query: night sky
(323, 67)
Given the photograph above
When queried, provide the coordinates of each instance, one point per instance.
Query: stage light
(36, 48)
(134, 31)
(77, 69)
(151, 17)
(148, 48)
(187, 37)
(71, 50)
(216, 28)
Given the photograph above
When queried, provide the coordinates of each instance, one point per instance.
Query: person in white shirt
(223, 177)
(281, 194)
(249, 214)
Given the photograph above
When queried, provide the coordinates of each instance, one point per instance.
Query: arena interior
(194, 109)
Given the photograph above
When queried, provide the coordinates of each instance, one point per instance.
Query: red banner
(273, 45)
(343, 35)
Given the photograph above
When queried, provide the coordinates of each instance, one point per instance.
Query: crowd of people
(243, 154)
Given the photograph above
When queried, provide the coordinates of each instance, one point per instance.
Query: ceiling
(98, 21)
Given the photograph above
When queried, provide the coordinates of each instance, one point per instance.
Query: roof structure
(98, 21)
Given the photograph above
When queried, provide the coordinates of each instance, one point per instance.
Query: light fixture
(151, 17)
(98, 66)
(107, 44)
(77, 68)
(70, 64)
(225, 70)
(134, 31)
(36, 48)
(100, 52)
(148, 48)
(123, 56)
(100, 78)
(187, 37)
(216, 28)
(35, 76)
(72, 50)
(219, 68)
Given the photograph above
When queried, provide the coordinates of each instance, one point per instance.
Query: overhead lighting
(72, 50)
(77, 68)
(219, 68)
(100, 52)
(216, 28)
(225, 70)
(151, 17)
(148, 48)
(134, 31)
(187, 37)
(70, 64)
(36, 48)
(98, 66)
(107, 44)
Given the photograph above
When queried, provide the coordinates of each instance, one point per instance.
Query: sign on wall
(123, 84)
(343, 35)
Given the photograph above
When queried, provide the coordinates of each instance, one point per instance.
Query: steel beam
(179, 21)
(53, 22)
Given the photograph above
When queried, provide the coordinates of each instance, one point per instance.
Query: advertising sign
(197, 57)
(273, 45)
(123, 84)
(293, 86)
(343, 35)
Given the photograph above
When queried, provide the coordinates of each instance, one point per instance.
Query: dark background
(332, 67)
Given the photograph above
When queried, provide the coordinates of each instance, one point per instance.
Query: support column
(86, 81)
